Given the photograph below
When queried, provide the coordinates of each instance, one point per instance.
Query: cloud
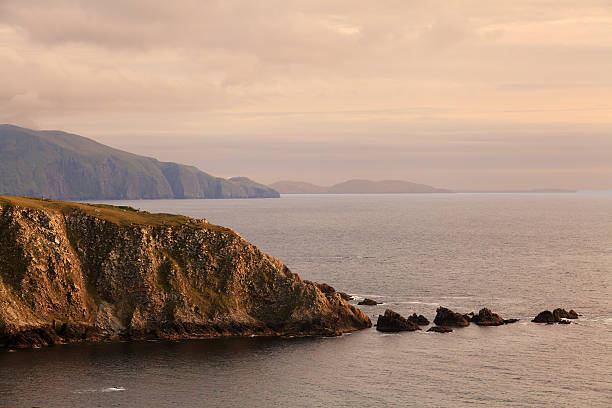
(346, 70)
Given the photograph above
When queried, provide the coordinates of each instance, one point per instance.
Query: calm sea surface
(515, 253)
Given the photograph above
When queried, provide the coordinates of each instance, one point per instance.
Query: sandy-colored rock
(81, 272)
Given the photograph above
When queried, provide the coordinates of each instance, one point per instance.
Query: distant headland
(357, 186)
(60, 165)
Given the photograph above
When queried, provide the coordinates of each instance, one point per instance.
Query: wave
(360, 297)
(108, 389)
(113, 389)
(417, 302)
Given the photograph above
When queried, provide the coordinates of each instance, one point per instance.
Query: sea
(517, 254)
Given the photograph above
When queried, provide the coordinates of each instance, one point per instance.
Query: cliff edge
(78, 272)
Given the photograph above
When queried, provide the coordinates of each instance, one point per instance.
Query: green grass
(122, 215)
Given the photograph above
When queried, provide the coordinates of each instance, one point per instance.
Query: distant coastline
(357, 186)
(534, 191)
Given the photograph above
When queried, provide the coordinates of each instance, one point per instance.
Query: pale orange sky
(457, 94)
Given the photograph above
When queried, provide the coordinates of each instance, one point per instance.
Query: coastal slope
(60, 165)
(356, 187)
(79, 272)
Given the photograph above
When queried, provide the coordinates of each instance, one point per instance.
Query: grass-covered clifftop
(61, 165)
(75, 272)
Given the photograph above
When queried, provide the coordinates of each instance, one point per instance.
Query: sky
(456, 94)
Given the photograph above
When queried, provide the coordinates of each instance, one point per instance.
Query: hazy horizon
(466, 95)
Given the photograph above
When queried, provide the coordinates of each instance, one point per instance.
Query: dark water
(517, 254)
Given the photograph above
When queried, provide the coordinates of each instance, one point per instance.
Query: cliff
(77, 272)
(54, 164)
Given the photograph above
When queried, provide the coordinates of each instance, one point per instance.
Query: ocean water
(517, 254)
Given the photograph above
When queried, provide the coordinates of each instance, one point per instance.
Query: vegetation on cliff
(74, 272)
(61, 165)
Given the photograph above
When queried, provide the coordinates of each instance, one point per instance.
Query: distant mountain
(356, 187)
(61, 165)
(298, 187)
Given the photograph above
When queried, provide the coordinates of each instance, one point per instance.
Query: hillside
(73, 272)
(356, 187)
(61, 165)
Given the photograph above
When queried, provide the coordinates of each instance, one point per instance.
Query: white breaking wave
(108, 389)
(113, 389)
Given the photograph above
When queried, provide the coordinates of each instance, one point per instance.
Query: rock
(487, 318)
(563, 321)
(469, 316)
(345, 296)
(420, 319)
(325, 288)
(564, 314)
(117, 273)
(545, 316)
(440, 329)
(446, 317)
(369, 302)
(556, 316)
(509, 321)
(394, 322)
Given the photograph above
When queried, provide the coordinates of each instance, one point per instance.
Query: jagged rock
(487, 318)
(345, 296)
(564, 314)
(469, 316)
(555, 316)
(446, 317)
(420, 319)
(324, 287)
(563, 321)
(369, 302)
(545, 316)
(440, 329)
(77, 272)
(394, 322)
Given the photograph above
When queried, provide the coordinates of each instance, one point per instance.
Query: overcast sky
(458, 94)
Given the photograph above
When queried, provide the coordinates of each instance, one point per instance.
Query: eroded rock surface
(440, 329)
(556, 316)
(487, 318)
(75, 272)
(394, 322)
(446, 317)
(368, 302)
(420, 319)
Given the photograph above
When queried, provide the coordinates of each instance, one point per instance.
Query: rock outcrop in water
(420, 319)
(74, 272)
(487, 318)
(440, 329)
(368, 302)
(556, 316)
(394, 322)
(446, 317)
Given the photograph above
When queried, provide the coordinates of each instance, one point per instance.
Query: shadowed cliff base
(78, 272)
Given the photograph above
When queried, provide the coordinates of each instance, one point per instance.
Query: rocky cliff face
(74, 272)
